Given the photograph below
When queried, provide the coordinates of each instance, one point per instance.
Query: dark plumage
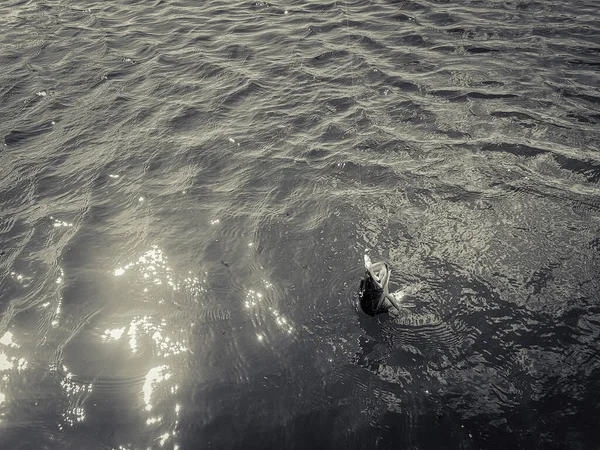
(371, 296)
(374, 288)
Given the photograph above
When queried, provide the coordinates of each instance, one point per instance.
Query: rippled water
(188, 189)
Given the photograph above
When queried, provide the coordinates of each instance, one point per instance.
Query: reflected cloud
(22, 364)
(113, 335)
(5, 363)
(8, 362)
(155, 375)
(12, 365)
(157, 334)
(8, 341)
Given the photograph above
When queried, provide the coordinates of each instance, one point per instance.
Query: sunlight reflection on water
(11, 364)
(156, 334)
(260, 304)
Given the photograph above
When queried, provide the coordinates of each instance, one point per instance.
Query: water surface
(188, 189)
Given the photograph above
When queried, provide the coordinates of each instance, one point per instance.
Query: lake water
(188, 188)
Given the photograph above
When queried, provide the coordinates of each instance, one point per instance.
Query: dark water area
(188, 188)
